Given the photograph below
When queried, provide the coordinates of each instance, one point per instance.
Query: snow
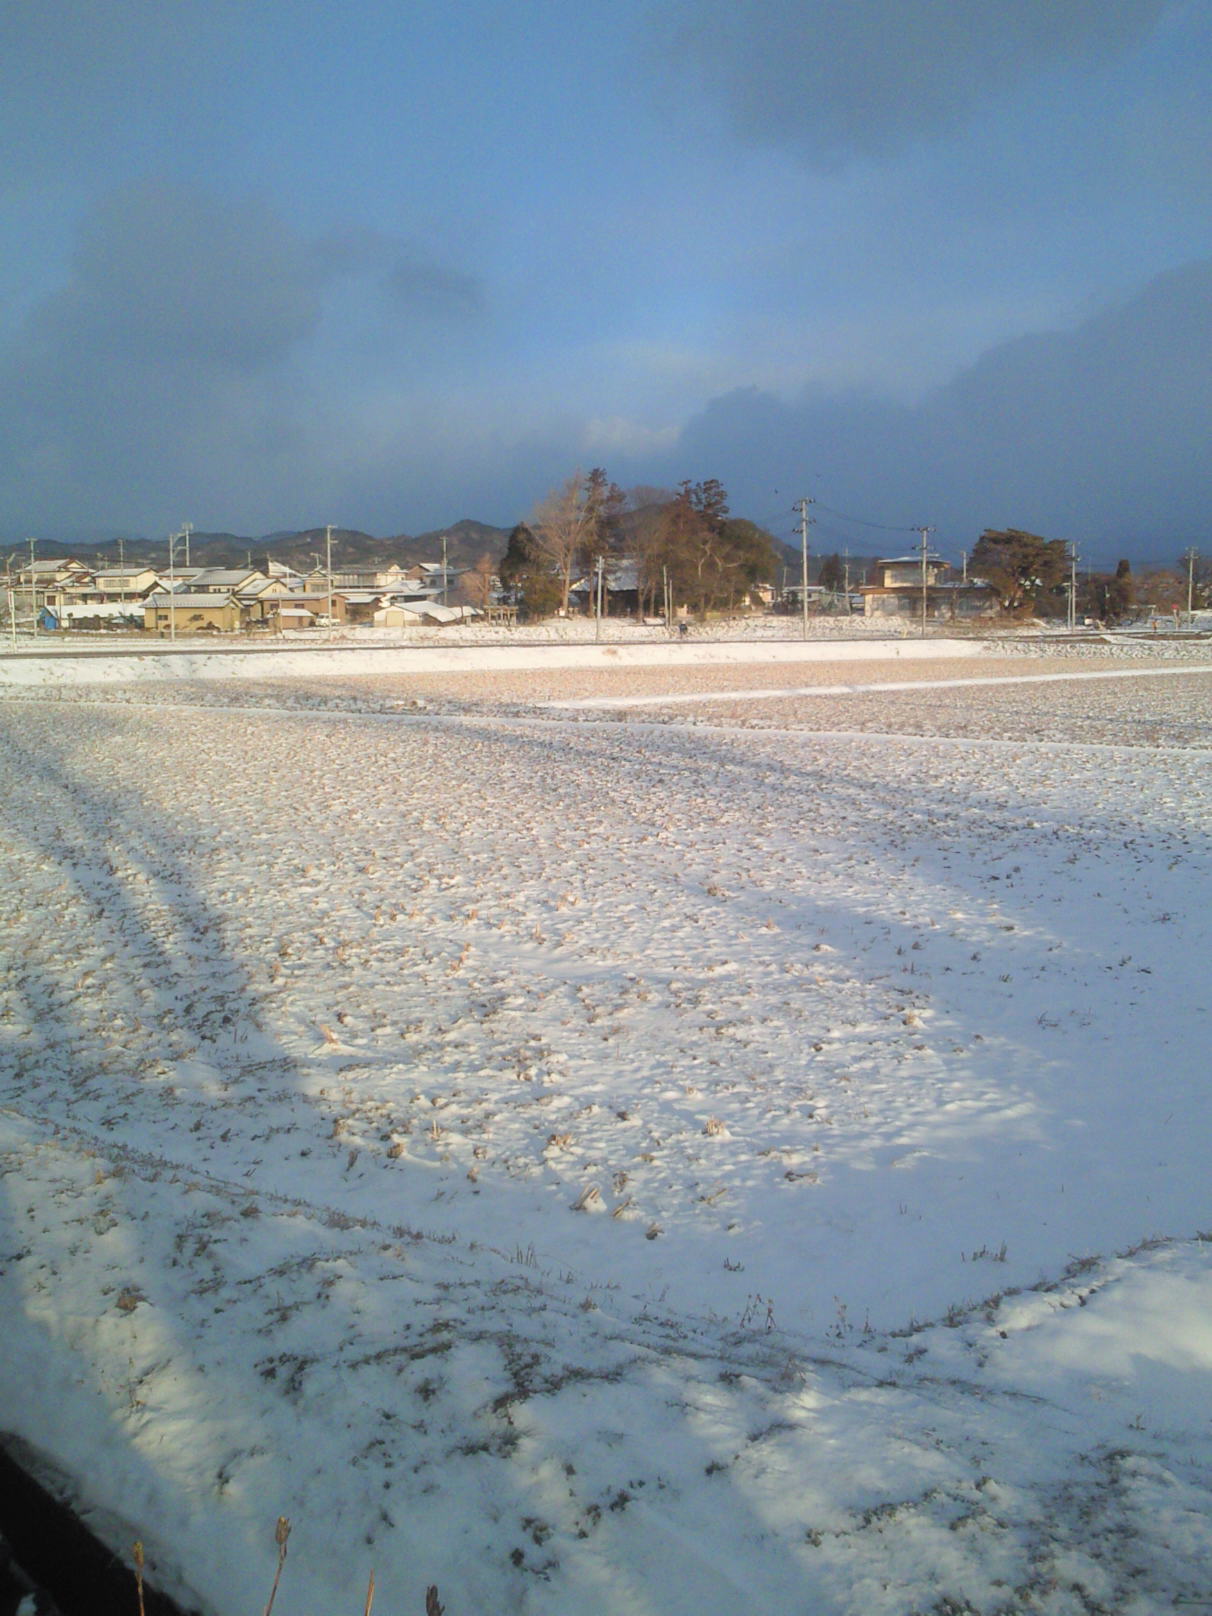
(363, 655)
(595, 1164)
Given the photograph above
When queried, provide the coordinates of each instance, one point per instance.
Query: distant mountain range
(465, 542)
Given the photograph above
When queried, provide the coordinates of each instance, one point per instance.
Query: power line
(837, 536)
(882, 527)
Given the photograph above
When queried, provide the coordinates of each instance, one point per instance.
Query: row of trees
(1032, 574)
(687, 549)
(698, 555)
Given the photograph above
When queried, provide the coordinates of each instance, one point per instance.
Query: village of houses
(65, 594)
(273, 598)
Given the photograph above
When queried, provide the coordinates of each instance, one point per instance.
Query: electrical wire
(882, 527)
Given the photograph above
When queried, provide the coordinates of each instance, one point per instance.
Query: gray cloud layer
(176, 373)
(1098, 435)
(838, 79)
(177, 368)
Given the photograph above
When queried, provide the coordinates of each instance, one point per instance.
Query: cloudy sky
(397, 262)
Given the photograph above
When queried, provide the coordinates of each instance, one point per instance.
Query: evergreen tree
(605, 503)
(521, 558)
(1120, 594)
(1020, 566)
(831, 573)
(711, 559)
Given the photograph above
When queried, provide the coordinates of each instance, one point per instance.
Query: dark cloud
(418, 282)
(1098, 435)
(840, 79)
(157, 368)
(188, 364)
(168, 273)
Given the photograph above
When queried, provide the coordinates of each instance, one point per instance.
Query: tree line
(1033, 576)
(690, 553)
(687, 549)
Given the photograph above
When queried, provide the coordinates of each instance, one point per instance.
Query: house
(818, 596)
(415, 614)
(113, 614)
(287, 575)
(236, 580)
(302, 608)
(376, 578)
(442, 616)
(357, 605)
(289, 616)
(119, 584)
(51, 583)
(192, 611)
(261, 598)
(397, 616)
(62, 570)
(909, 583)
(620, 586)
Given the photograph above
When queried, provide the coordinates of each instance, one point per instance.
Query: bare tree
(563, 524)
(474, 587)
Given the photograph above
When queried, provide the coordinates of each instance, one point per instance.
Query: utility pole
(328, 572)
(172, 585)
(925, 533)
(33, 592)
(1073, 588)
(445, 580)
(599, 568)
(846, 577)
(11, 595)
(804, 523)
(1191, 558)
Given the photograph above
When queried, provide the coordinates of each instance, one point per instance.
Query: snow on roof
(79, 611)
(229, 577)
(619, 575)
(161, 600)
(448, 614)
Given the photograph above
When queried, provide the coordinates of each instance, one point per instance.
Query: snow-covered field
(748, 1154)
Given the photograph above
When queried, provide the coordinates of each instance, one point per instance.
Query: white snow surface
(55, 665)
(594, 1165)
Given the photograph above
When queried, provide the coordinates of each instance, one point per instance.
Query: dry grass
(433, 1606)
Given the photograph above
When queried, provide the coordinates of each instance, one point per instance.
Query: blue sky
(388, 265)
